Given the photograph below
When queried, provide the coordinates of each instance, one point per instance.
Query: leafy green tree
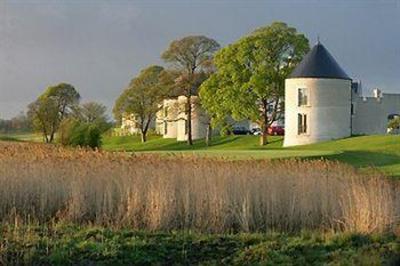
(73, 132)
(250, 77)
(55, 104)
(191, 57)
(65, 97)
(394, 125)
(43, 114)
(93, 113)
(142, 98)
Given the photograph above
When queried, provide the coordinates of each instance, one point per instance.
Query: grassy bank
(21, 137)
(382, 152)
(74, 245)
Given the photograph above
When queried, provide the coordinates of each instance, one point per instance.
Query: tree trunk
(264, 130)
(46, 139)
(264, 135)
(208, 135)
(51, 137)
(144, 136)
(189, 120)
(144, 129)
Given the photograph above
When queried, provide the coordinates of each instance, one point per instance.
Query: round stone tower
(317, 100)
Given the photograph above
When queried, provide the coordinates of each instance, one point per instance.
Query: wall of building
(130, 126)
(199, 120)
(370, 114)
(176, 120)
(328, 112)
(166, 122)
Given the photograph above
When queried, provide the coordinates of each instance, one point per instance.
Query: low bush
(75, 133)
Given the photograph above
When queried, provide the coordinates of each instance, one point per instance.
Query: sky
(99, 46)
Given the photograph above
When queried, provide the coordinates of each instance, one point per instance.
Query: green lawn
(382, 152)
(363, 152)
(88, 245)
(21, 137)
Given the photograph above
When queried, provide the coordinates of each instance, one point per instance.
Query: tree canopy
(250, 76)
(51, 107)
(93, 113)
(142, 98)
(191, 58)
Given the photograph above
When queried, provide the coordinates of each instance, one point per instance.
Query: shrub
(65, 131)
(394, 126)
(75, 133)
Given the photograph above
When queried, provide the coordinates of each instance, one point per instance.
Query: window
(301, 124)
(302, 97)
(186, 127)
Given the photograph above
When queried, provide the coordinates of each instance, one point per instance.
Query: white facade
(327, 113)
(130, 125)
(171, 120)
(371, 115)
(322, 103)
(166, 122)
(199, 119)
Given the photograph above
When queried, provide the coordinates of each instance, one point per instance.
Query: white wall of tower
(328, 110)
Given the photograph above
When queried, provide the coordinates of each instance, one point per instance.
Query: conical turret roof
(319, 63)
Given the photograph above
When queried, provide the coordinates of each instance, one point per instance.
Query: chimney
(377, 93)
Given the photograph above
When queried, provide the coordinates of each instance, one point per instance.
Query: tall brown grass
(48, 183)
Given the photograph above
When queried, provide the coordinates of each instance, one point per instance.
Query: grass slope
(74, 245)
(21, 137)
(380, 151)
(363, 152)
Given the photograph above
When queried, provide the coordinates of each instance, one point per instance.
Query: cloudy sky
(98, 46)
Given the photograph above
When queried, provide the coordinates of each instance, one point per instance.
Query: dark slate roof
(319, 63)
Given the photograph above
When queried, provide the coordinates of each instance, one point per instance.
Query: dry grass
(41, 183)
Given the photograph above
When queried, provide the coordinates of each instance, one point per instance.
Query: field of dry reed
(41, 184)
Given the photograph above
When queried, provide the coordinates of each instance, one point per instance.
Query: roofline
(308, 77)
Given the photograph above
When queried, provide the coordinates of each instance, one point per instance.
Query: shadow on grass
(9, 138)
(361, 159)
(197, 144)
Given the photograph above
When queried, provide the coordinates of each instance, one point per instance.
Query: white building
(371, 115)
(172, 119)
(322, 103)
(130, 125)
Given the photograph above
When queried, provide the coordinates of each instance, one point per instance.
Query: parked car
(240, 131)
(256, 131)
(276, 130)
(272, 130)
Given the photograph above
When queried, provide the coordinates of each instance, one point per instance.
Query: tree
(55, 104)
(74, 133)
(43, 114)
(190, 56)
(142, 98)
(19, 123)
(250, 77)
(394, 125)
(93, 113)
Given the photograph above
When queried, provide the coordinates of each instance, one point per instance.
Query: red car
(272, 130)
(276, 130)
